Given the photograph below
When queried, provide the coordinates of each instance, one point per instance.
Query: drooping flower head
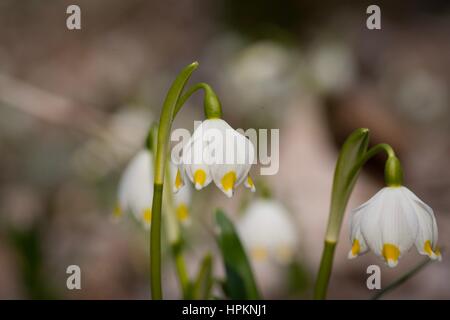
(268, 232)
(216, 152)
(391, 222)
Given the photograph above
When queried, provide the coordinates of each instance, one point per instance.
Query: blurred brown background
(75, 106)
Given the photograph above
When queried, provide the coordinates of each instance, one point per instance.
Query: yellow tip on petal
(228, 181)
(178, 181)
(356, 248)
(259, 253)
(199, 178)
(182, 212)
(391, 253)
(249, 184)
(438, 254)
(429, 250)
(147, 216)
(117, 212)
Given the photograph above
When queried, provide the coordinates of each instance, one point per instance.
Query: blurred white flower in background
(331, 66)
(390, 223)
(261, 75)
(268, 232)
(270, 236)
(135, 192)
(22, 204)
(421, 96)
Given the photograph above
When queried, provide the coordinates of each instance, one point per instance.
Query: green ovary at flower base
(226, 176)
(389, 224)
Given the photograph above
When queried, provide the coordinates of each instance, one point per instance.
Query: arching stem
(173, 102)
(353, 156)
(165, 125)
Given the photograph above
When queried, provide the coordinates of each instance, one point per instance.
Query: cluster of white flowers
(390, 223)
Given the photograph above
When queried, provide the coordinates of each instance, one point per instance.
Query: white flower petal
(238, 156)
(136, 187)
(398, 226)
(198, 173)
(196, 156)
(249, 184)
(370, 222)
(178, 176)
(426, 240)
(358, 242)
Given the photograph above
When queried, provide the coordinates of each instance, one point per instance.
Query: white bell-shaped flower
(268, 232)
(390, 223)
(135, 194)
(216, 152)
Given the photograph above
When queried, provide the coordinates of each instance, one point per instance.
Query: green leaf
(345, 174)
(298, 278)
(348, 165)
(240, 282)
(204, 280)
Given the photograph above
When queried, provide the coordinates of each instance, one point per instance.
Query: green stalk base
(326, 264)
(155, 244)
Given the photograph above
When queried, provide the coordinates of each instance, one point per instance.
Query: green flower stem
(174, 236)
(373, 151)
(326, 265)
(172, 104)
(353, 156)
(155, 244)
(212, 106)
(172, 226)
(165, 125)
(402, 279)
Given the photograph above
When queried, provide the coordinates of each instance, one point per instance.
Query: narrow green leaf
(240, 282)
(204, 280)
(347, 168)
(345, 174)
